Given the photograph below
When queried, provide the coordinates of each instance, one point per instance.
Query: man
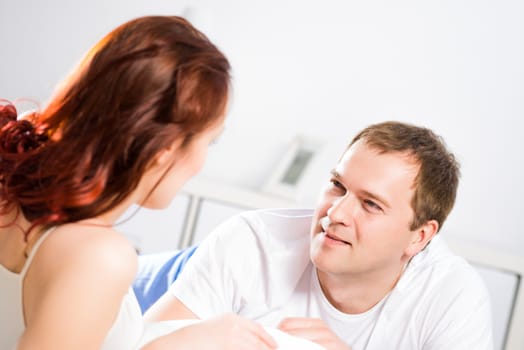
(372, 273)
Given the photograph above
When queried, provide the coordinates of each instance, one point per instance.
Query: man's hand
(315, 330)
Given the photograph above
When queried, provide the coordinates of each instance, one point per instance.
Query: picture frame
(290, 171)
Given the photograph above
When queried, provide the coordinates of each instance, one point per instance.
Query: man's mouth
(336, 239)
(324, 224)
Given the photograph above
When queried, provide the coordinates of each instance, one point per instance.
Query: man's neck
(355, 294)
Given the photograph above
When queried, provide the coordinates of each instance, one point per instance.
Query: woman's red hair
(148, 83)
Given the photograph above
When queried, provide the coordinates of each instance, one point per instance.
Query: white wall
(326, 69)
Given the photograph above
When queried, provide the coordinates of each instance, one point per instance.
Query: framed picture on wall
(284, 181)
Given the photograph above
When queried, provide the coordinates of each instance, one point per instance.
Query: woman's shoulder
(76, 283)
(89, 250)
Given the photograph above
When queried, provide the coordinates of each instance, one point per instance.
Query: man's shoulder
(288, 222)
(279, 215)
(437, 254)
(443, 296)
(266, 224)
(440, 270)
(261, 232)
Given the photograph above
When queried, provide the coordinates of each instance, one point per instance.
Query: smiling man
(371, 274)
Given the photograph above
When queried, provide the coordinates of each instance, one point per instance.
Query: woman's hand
(315, 330)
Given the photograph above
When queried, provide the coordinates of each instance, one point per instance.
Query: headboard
(203, 204)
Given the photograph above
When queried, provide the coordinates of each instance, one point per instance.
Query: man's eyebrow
(376, 197)
(372, 195)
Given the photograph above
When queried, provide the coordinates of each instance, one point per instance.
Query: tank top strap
(33, 251)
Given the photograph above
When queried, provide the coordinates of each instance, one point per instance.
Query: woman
(130, 125)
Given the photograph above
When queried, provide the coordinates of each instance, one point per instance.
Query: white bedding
(284, 340)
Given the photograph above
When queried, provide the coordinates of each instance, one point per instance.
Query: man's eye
(336, 184)
(372, 206)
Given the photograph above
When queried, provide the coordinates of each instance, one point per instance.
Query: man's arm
(212, 281)
(168, 307)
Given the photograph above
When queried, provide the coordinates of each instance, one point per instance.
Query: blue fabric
(156, 272)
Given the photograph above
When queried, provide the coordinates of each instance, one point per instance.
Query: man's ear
(421, 237)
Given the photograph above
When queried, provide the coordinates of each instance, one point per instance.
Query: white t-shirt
(257, 265)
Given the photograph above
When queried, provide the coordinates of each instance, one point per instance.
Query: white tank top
(128, 326)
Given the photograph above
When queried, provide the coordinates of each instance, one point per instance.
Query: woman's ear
(421, 237)
(166, 155)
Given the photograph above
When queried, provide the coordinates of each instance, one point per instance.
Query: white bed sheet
(284, 340)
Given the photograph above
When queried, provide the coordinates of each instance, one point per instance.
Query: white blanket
(284, 340)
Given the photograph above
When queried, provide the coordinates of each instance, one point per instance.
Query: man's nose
(343, 209)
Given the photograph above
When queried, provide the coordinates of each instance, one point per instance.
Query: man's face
(361, 225)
